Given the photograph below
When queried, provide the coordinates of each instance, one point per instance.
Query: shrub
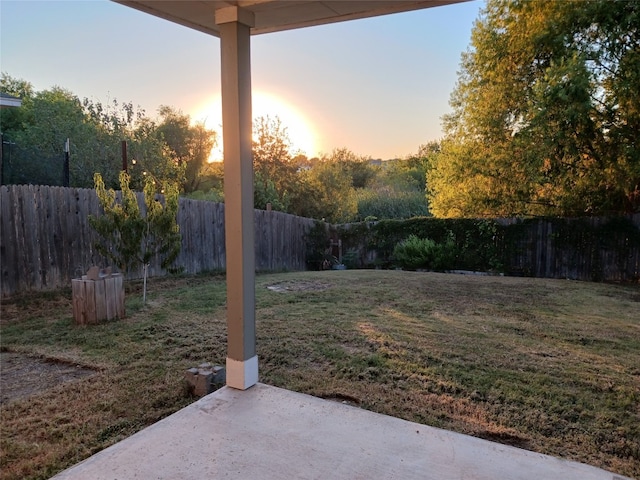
(415, 252)
(351, 259)
(445, 255)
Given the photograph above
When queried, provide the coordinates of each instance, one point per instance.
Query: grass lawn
(547, 365)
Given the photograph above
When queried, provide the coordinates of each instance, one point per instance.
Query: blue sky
(378, 86)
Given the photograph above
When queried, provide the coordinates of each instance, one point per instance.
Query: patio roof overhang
(276, 15)
(234, 22)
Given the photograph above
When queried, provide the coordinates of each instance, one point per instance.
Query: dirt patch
(298, 286)
(22, 375)
(341, 398)
(505, 438)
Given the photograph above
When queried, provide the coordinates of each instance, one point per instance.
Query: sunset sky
(375, 86)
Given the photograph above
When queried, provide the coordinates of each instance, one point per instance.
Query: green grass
(550, 366)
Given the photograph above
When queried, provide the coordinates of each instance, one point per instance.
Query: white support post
(235, 45)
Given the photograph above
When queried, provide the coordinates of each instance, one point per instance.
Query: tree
(111, 123)
(130, 238)
(409, 174)
(546, 113)
(266, 193)
(15, 86)
(37, 133)
(45, 121)
(189, 145)
(147, 152)
(211, 186)
(354, 166)
(274, 170)
(149, 156)
(12, 119)
(325, 192)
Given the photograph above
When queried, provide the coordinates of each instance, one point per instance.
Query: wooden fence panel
(280, 241)
(539, 252)
(262, 246)
(46, 239)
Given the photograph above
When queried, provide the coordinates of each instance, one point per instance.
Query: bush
(478, 243)
(351, 259)
(415, 252)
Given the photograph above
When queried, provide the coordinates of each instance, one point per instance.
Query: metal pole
(65, 180)
(125, 163)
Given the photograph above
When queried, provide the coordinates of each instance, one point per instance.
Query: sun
(299, 129)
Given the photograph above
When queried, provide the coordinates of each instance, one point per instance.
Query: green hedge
(475, 241)
(583, 248)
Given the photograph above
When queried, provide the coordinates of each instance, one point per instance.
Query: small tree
(127, 237)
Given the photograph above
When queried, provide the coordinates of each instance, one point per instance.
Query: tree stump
(97, 299)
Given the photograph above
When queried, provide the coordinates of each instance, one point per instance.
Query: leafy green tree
(12, 119)
(130, 238)
(545, 113)
(15, 86)
(410, 173)
(55, 116)
(265, 193)
(354, 166)
(149, 156)
(211, 186)
(38, 131)
(189, 145)
(111, 124)
(325, 192)
(47, 119)
(274, 169)
(147, 152)
(326, 187)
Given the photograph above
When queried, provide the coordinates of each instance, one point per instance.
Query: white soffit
(276, 15)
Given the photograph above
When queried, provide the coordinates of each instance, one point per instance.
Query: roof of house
(7, 100)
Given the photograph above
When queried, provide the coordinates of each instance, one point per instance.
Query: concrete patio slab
(270, 433)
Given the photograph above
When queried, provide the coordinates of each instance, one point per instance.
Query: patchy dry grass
(550, 366)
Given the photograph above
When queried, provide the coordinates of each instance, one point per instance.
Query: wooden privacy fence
(46, 239)
(589, 249)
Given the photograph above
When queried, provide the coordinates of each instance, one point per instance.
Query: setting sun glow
(299, 129)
